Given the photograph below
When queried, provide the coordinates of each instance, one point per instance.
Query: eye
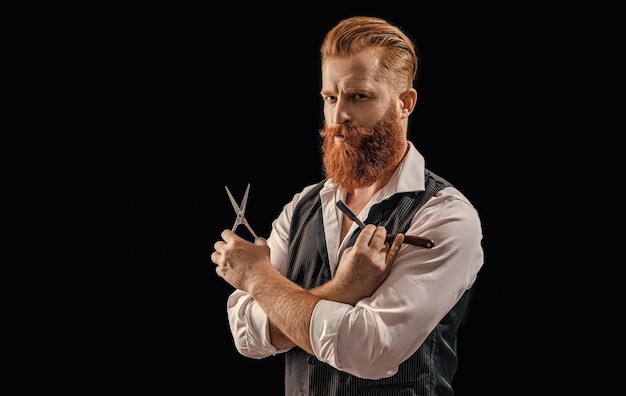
(330, 99)
(359, 97)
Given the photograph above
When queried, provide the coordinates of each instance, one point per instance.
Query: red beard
(381, 149)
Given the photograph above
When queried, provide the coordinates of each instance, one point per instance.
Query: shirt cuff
(324, 329)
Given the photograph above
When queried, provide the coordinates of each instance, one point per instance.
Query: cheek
(328, 115)
(367, 117)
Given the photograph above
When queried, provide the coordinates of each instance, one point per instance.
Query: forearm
(337, 291)
(331, 291)
(279, 340)
(289, 309)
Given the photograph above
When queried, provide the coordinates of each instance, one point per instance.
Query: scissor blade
(232, 200)
(236, 208)
(244, 201)
(245, 222)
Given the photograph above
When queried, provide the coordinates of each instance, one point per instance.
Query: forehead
(359, 69)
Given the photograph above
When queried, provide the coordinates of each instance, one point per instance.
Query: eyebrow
(352, 90)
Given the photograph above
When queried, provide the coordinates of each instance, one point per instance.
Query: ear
(409, 101)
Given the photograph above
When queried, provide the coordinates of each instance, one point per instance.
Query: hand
(240, 262)
(366, 264)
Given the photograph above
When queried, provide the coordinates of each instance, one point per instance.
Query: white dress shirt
(372, 338)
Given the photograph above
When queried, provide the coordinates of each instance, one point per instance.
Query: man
(351, 313)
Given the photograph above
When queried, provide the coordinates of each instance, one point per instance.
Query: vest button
(310, 359)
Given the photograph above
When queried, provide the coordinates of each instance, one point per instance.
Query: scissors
(241, 210)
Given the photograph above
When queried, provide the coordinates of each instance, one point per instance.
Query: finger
(379, 236)
(260, 241)
(228, 235)
(366, 235)
(217, 246)
(394, 249)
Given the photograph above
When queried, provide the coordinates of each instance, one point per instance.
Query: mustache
(348, 132)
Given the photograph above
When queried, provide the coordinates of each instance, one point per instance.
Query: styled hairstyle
(399, 61)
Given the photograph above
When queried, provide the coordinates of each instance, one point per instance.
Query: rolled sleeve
(249, 326)
(325, 327)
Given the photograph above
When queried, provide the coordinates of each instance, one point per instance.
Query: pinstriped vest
(430, 370)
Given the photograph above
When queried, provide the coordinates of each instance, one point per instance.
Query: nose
(341, 114)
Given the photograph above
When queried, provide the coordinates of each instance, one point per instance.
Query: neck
(359, 197)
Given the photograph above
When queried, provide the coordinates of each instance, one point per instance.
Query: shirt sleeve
(386, 328)
(249, 327)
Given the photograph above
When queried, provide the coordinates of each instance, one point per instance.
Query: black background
(199, 100)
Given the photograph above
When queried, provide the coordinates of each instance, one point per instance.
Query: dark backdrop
(203, 100)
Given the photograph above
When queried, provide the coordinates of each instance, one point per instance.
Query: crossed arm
(289, 307)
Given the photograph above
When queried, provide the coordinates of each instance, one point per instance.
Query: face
(363, 134)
